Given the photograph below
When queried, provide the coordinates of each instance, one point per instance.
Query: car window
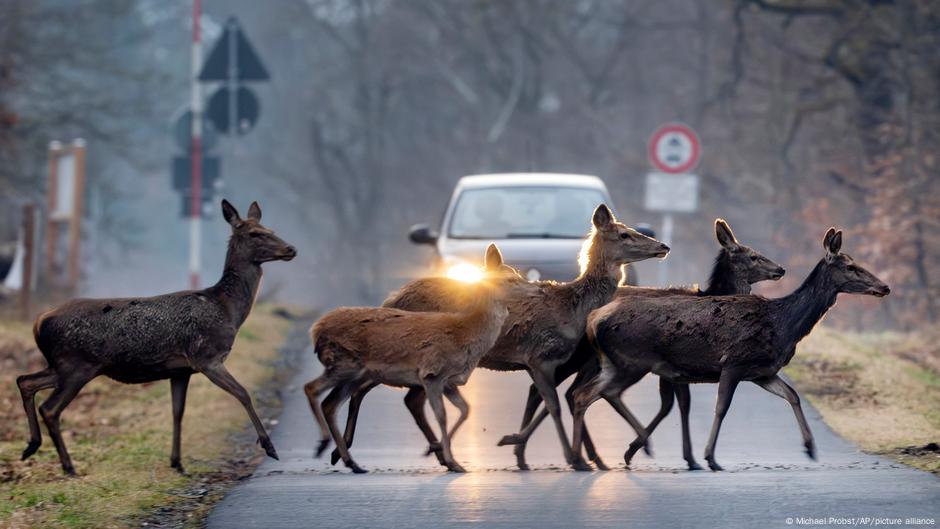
(524, 212)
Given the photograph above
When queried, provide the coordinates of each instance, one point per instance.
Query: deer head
(613, 244)
(744, 260)
(847, 276)
(251, 241)
(495, 269)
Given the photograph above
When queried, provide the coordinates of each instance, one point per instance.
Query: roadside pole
(666, 239)
(29, 220)
(196, 153)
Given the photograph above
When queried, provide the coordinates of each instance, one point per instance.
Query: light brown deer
(546, 320)
(136, 340)
(723, 339)
(736, 267)
(435, 351)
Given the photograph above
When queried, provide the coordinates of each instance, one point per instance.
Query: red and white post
(196, 155)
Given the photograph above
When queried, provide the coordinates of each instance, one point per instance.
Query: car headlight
(465, 272)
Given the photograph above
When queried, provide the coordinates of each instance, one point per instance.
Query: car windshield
(524, 212)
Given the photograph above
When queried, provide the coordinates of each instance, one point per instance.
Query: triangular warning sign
(249, 64)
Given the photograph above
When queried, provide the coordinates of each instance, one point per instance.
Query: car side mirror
(645, 229)
(422, 234)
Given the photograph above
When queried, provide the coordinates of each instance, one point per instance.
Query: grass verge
(879, 390)
(119, 438)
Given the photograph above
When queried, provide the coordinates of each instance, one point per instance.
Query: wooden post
(29, 220)
(52, 229)
(75, 225)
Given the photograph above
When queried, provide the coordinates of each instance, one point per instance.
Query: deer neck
(803, 309)
(238, 287)
(723, 280)
(596, 286)
(485, 322)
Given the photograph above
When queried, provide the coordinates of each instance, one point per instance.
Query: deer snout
(663, 250)
(778, 273)
(290, 253)
(881, 290)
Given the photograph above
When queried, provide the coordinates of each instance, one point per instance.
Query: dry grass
(880, 390)
(119, 437)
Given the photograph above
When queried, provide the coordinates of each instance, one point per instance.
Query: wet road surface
(768, 478)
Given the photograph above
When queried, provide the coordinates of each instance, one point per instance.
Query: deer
(722, 339)
(546, 319)
(144, 339)
(430, 294)
(435, 351)
(735, 269)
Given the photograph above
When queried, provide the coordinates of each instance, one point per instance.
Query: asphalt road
(767, 481)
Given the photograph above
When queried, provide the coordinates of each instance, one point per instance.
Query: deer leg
(727, 383)
(352, 415)
(414, 401)
(528, 418)
(545, 383)
(684, 397)
(178, 386)
(454, 396)
(778, 387)
(313, 390)
(585, 436)
(582, 397)
(666, 399)
(29, 385)
(51, 410)
(220, 376)
(433, 387)
(332, 401)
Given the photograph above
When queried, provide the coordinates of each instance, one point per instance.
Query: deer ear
(254, 211)
(827, 238)
(230, 213)
(602, 216)
(836, 243)
(493, 258)
(724, 234)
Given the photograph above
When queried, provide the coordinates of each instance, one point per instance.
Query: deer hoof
(811, 450)
(513, 439)
(581, 465)
(357, 469)
(30, 449)
(334, 457)
(693, 465)
(455, 467)
(648, 448)
(268, 447)
(599, 463)
(712, 464)
(324, 443)
(433, 448)
(176, 465)
(69, 471)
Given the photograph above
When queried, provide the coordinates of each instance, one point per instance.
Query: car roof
(531, 179)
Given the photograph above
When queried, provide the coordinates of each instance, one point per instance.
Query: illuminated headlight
(465, 272)
(533, 274)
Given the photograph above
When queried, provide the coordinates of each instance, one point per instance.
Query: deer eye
(852, 268)
(754, 258)
(255, 234)
(624, 235)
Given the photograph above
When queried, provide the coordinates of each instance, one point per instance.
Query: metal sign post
(674, 149)
(195, 210)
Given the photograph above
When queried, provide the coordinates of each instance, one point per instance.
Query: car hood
(553, 258)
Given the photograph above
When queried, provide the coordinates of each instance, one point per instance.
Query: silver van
(538, 220)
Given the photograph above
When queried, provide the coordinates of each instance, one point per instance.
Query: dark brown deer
(736, 268)
(546, 320)
(723, 339)
(435, 351)
(136, 340)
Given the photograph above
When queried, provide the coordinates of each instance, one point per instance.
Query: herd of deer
(429, 337)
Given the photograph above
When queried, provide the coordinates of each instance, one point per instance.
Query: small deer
(723, 339)
(137, 340)
(547, 319)
(736, 267)
(430, 294)
(435, 351)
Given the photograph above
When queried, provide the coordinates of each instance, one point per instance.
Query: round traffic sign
(674, 148)
(183, 130)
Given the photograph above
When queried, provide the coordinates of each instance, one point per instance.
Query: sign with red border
(674, 148)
